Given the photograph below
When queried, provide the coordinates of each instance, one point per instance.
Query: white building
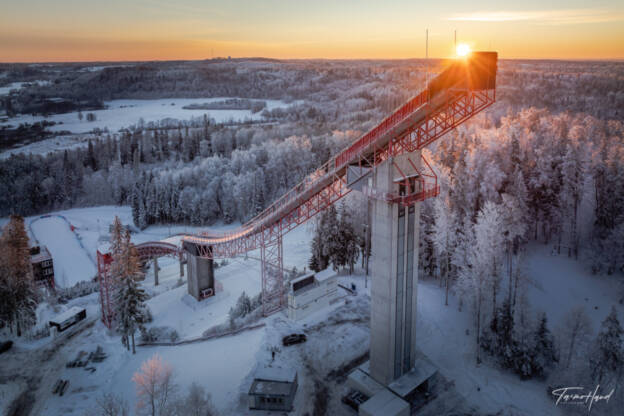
(312, 292)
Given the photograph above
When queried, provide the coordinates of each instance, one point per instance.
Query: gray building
(43, 266)
(395, 274)
(201, 282)
(273, 388)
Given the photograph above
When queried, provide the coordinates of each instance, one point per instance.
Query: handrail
(457, 81)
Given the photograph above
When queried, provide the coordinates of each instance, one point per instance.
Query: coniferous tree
(332, 248)
(130, 308)
(17, 291)
(319, 259)
(543, 355)
(348, 250)
(608, 354)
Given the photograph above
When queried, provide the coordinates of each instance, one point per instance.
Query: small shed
(273, 388)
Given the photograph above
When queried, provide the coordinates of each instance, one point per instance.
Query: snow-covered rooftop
(363, 382)
(300, 278)
(271, 373)
(325, 274)
(63, 316)
(422, 371)
(43, 254)
(273, 381)
(384, 403)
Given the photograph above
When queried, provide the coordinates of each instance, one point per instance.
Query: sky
(131, 30)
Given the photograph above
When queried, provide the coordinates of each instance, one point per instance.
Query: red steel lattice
(458, 93)
(455, 95)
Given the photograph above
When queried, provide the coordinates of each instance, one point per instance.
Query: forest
(545, 164)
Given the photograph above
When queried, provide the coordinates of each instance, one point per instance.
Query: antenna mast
(426, 58)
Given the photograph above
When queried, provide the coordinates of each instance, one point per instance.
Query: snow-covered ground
(53, 144)
(220, 365)
(556, 285)
(17, 85)
(126, 113)
(224, 366)
(73, 263)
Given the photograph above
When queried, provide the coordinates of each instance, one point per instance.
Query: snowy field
(220, 365)
(73, 263)
(18, 85)
(224, 366)
(53, 144)
(121, 114)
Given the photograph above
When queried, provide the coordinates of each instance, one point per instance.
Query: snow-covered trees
(484, 245)
(588, 360)
(574, 336)
(244, 306)
(543, 354)
(607, 359)
(130, 308)
(335, 241)
(159, 395)
(110, 404)
(197, 402)
(17, 292)
(155, 387)
(444, 238)
(528, 350)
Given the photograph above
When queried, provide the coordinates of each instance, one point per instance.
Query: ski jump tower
(394, 235)
(386, 165)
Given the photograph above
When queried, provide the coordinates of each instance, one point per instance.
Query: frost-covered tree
(574, 335)
(318, 259)
(607, 357)
(444, 238)
(242, 308)
(155, 387)
(130, 308)
(197, 402)
(543, 354)
(348, 239)
(110, 404)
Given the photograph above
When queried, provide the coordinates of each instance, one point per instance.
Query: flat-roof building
(312, 292)
(273, 388)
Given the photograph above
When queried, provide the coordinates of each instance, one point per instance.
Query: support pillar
(200, 280)
(272, 276)
(394, 280)
(182, 263)
(155, 271)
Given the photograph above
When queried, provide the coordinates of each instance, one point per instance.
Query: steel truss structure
(272, 266)
(458, 93)
(146, 251)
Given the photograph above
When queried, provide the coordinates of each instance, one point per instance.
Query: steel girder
(272, 276)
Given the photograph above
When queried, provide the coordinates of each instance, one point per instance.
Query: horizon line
(251, 58)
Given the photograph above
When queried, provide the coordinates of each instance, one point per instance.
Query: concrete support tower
(200, 280)
(394, 285)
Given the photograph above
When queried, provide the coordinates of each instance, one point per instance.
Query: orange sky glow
(66, 30)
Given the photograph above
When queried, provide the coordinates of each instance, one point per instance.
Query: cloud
(545, 17)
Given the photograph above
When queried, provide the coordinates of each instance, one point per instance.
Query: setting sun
(462, 49)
